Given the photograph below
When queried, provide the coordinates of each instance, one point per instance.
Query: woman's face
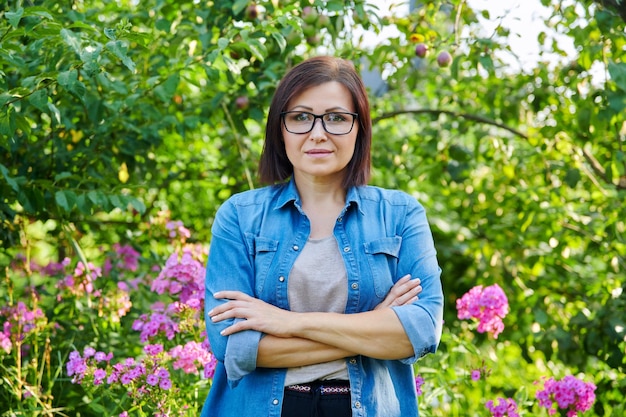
(319, 154)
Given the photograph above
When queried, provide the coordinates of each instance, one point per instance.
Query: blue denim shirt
(382, 234)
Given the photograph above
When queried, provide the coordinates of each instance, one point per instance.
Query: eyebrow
(330, 109)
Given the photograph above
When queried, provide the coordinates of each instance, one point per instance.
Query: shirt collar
(289, 194)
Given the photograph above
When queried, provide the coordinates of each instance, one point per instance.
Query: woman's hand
(405, 291)
(258, 315)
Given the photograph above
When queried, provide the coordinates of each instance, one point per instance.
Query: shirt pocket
(263, 252)
(382, 256)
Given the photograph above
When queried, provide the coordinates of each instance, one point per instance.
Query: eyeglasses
(335, 123)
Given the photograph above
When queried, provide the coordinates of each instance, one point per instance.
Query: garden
(124, 125)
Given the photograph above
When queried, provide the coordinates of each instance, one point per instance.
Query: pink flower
(569, 394)
(505, 407)
(190, 357)
(488, 305)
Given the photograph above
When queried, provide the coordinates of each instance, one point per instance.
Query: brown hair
(274, 165)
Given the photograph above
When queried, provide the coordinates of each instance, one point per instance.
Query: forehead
(323, 97)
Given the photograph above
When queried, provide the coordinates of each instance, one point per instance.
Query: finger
(408, 297)
(231, 295)
(227, 310)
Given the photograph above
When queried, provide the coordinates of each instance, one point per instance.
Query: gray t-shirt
(318, 282)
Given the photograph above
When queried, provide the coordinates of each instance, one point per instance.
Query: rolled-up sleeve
(230, 267)
(422, 320)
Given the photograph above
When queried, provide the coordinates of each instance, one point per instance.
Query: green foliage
(112, 113)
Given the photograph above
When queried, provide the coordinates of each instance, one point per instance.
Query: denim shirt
(382, 235)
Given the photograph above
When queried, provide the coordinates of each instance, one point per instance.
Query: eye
(336, 117)
(300, 116)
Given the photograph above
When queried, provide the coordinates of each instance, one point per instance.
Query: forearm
(280, 352)
(378, 334)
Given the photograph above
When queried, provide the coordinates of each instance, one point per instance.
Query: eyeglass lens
(337, 123)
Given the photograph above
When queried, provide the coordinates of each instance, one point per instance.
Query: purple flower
(98, 376)
(505, 407)
(475, 374)
(165, 384)
(152, 379)
(419, 381)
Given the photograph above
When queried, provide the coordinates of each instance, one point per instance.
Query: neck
(316, 192)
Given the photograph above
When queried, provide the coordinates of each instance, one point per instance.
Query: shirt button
(353, 361)
(281, 278)
(346, 249)
(355, 285)
(339, 220)
(296, 247)
(357, 404)
(275, 402)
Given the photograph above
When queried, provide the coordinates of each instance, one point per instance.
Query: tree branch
(466, 116)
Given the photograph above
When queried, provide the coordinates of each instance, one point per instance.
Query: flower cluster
(489, 305)
(570, 393)
(159, 322)
(183, 276)
(193, 355)
(127, 259)
(505, 407)
(78, 367)
(19, 321)
(153, 379)
(81, 281)
(144, 373)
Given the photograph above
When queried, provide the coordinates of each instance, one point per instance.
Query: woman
(312, 284)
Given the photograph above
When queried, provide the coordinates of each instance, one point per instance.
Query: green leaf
(617, 71)
(572, 177)
(257, 48)
(134, 202)
(117, 202)
(54, 112)
(119, 49)
(12, 183)
(167, 89)
(280, 40)
(38, 11)
(65, 199)
(7, 121)
(39, 99)
(90, 57)
(72, 39)
(69, 80)
(84, 204)
(15, 17)
(240, 5)
(62, 175)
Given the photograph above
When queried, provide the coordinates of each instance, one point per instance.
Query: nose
(318, 132)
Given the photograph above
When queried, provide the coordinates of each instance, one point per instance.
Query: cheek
(291, 148)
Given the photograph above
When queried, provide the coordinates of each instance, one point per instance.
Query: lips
(318, 152)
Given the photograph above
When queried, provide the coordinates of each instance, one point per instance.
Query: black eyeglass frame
(321, 117)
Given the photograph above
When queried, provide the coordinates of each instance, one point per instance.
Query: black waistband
(327, 387)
